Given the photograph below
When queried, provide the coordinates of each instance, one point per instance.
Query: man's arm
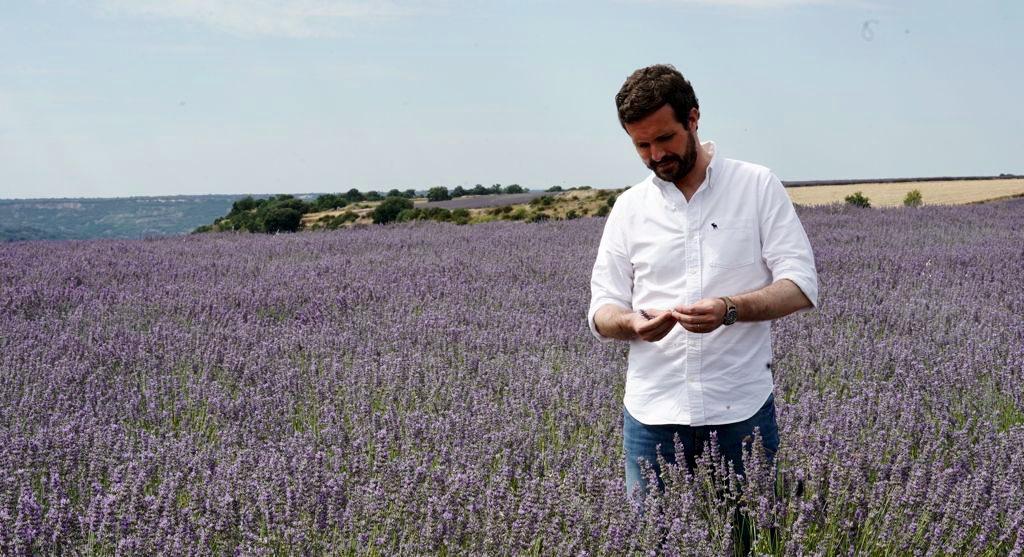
(614, 321)
(776, 300)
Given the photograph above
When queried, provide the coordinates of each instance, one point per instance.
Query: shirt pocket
(732, 243)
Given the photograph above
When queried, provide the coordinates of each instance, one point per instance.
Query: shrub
(518, 214)
(347, 216)
(542, 201)
(913, 198)
(572, 214)
(407, 215)
(539, 216)
(857, 199)
(439, 214)
(514, 188)
(554, 189)
(611, 200)
(389, 209)
(603, 211)
(460, 216)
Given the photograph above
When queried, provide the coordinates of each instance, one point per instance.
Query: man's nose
(656, 153)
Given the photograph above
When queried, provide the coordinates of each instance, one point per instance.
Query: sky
(111, 98)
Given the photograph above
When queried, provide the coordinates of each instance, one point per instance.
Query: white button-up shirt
(736, 234)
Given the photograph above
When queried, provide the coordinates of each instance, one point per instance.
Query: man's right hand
(653, 329)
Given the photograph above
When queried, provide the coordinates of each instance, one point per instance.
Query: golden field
(954, 192)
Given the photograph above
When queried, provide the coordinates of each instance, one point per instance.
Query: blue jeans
(646, 441)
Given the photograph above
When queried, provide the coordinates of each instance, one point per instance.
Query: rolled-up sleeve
(612, 279)
(784, 244)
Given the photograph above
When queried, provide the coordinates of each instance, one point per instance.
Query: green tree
(514, 188)
(389, 209)
(459, 191)
(244, 204)
(479, 190)
(913, 198)
(554, 189)
(410, 193)
(281, 219)
(439, 193)
(353, 195)
(373, 196)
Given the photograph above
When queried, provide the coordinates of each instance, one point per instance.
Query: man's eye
(665, 138)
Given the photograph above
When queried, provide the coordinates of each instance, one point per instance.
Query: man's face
(664, 144)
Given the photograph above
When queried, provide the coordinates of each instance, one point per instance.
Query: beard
(673, 168)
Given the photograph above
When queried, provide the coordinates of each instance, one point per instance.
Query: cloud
(277, 18)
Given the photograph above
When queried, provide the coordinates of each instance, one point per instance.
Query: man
(693, 264)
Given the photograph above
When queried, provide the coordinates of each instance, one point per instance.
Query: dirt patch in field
(932, 193)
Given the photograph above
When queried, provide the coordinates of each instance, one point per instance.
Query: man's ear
(694, 119)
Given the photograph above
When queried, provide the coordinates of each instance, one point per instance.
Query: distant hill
(128, 217)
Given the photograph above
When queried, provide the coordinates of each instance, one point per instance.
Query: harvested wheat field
(953, 192)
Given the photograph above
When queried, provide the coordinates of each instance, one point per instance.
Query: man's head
(658, 109)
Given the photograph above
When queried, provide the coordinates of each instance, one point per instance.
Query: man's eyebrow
(665, 136)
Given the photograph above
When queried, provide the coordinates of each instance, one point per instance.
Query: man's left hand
(703, 316)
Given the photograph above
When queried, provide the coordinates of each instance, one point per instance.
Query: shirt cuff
(593, 311)
(806, 285)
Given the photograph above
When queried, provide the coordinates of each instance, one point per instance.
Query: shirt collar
(709, 179)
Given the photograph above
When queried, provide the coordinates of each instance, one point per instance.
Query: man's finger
(665, 320)
(659, 332)
(690, 319)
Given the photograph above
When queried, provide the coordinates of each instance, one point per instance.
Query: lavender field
(434, 389)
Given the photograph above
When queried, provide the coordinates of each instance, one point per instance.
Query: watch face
(730, 317)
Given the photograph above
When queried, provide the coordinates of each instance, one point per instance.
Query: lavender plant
(433, 389)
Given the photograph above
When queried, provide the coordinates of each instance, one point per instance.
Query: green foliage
(460, 216)
(514, 188)
(857, 199)
(539, 216)
(372, 196)
(554, 189)
(603, 211)
(439, 193)
(389, 209)
(542, 201)
(611, 200)
(281, 219)
(572, 214)
(459, 191)
(328, 201)
(479, 190)
(353, 196)
(913, 198)
(244, 204)
(439, 214)
(498, 211)
(518, 214)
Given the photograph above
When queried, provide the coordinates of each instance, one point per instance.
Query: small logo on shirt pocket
(731, 243)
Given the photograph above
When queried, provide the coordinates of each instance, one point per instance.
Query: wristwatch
(731, 313)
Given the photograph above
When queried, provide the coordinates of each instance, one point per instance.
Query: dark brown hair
(649, 89)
